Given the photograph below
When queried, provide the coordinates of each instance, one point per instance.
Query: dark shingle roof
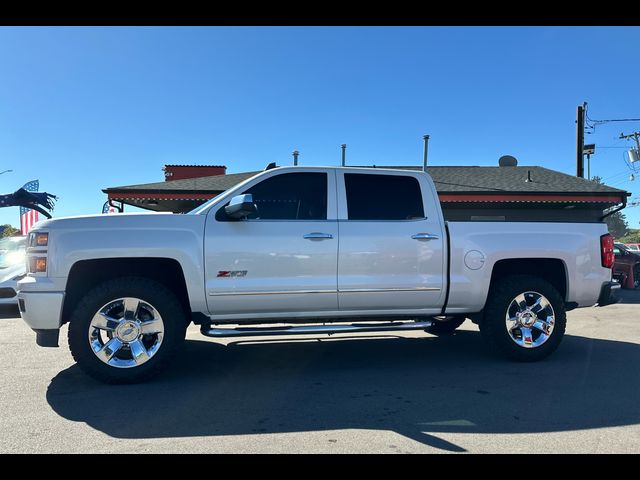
(447, 180)
(213, 184)
(512, 180)
(477, 179)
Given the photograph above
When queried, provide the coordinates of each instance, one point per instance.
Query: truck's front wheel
(524, 318)
(126, 329)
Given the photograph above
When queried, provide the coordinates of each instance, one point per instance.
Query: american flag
(106, 208)
(27, 216)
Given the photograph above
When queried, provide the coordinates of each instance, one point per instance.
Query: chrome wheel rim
(530, 319)
(126, 332)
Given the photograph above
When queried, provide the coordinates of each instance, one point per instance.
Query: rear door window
(383, 197)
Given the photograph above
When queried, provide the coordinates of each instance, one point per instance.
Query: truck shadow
(417, 387)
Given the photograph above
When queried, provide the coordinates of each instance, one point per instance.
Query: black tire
(445, 326)
(493, 325)
(163, 301)
(636, 277)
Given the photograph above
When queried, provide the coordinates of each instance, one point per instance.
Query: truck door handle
(425, 236)
(317, 236)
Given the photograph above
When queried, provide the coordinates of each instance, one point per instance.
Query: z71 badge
(231, 273)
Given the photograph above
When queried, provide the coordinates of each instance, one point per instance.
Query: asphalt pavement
(406, 393)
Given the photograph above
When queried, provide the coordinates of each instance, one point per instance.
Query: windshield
(237, 188)
(201, 208)
(12, 251)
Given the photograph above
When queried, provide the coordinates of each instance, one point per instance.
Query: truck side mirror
(240, 206)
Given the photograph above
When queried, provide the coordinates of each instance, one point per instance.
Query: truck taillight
(606, 250)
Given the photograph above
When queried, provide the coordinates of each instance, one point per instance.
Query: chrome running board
(313, 329)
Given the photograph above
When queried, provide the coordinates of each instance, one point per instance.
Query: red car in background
(626, 268)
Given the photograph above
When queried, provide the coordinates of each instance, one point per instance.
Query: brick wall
(180, 172)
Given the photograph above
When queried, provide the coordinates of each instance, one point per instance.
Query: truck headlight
(37, 264)
(39, 239)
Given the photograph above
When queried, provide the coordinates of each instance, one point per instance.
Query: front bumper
(42, 311)
(609, 294)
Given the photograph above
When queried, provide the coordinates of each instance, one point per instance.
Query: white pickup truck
(305, 250)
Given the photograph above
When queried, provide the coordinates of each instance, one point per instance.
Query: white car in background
(12, 268)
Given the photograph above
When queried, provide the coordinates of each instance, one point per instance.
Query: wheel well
(552, 270)
(86, 274)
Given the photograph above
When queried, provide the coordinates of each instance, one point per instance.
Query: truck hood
(152, 221)
(94, 237)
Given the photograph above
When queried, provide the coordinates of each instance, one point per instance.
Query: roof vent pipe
(528, 176)
(344, 153)
(295, 157)
(426, 150)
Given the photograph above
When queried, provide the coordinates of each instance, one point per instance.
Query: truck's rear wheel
(125, 330)
(524, 318)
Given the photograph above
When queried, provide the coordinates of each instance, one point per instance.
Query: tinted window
(383, 197)
(289, 196)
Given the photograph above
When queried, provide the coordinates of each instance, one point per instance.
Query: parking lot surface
(405, 393)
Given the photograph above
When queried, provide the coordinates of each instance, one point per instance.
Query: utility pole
(588, 150)
(580, 140)
(344, 154)
(295, 157)
(426, 151)
(634, 135)
(634, 155)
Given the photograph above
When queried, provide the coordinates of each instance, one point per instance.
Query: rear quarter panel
(577, 245)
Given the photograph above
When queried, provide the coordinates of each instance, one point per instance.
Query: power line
(608, 120)
(620, 183)
(592, 123)
(616, 177)
(615, 174)
(630, 170)
(587, 125)
(598, 122)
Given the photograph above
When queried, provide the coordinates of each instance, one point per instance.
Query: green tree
(616, 222)
(632, 236)
(8, 231)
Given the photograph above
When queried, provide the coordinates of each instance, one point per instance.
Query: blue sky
(82, 109)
